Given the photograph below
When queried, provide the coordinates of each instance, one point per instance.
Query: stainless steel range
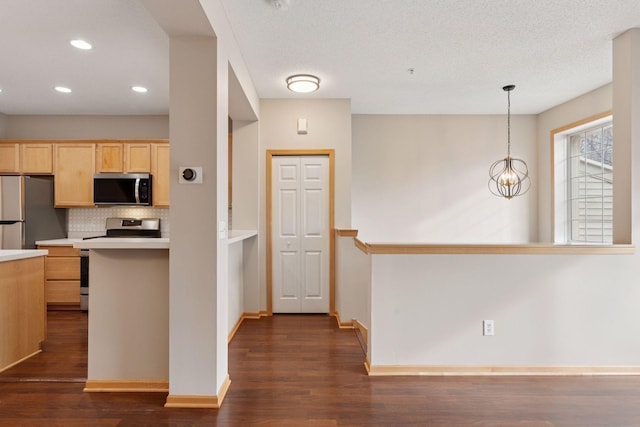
(115, 227)
(131, 227)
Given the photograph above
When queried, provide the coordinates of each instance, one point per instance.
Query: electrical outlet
(487, 328)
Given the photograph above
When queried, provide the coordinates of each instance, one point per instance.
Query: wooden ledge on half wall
(487, 249)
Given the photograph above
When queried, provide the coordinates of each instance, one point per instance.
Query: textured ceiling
(462, 51)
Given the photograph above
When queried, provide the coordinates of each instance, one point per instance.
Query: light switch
(222, 230)
(302, 126)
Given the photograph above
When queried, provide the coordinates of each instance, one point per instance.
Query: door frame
(301, 153)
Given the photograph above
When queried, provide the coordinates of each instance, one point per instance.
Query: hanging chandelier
(509, 177)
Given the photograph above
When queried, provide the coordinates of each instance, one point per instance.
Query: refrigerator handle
(10, 222)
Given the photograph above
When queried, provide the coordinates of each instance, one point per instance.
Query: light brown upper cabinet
(123, 157)
(137, 158)
(74, 162)
(160, 172)
(9, 158)
(37, 158)
(109, 157)
(74, 167)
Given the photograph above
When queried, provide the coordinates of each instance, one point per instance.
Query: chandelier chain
(508, 123)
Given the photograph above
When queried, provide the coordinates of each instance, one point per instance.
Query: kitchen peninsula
(22, 307)
(128, 314)
(129, 309)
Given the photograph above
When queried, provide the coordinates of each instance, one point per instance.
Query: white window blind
(590, 185)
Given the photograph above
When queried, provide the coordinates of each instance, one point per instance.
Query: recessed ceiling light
(81, 44)
(63, 89)
(139, 89)
(303, 83)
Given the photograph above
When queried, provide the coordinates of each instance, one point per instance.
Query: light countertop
(15, 254)
(239, 235)
(134, 242)
(124, 243)
(58, 242)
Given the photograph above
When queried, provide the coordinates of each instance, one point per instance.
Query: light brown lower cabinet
(22, 313)
(62, 275)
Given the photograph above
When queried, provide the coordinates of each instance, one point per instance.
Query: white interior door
(300, 234)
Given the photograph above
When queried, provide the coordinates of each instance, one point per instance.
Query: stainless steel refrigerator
(27, 213)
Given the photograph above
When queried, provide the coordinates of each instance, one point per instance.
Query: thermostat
(190, 175)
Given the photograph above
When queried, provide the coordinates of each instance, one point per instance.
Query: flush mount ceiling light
(81, 44)
(62, 89)
(139, 89)
(303, 83)
(509, 177)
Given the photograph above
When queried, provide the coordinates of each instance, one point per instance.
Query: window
(583, 182)
(590, 178)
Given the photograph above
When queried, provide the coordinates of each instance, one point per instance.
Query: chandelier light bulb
(508, 178)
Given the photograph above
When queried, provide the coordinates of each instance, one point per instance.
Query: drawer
(62, 291)
(55, 251)
(63, 268)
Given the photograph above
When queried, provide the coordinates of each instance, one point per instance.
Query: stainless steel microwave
(122, 189)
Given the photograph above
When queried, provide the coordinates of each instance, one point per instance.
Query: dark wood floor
(297, 370)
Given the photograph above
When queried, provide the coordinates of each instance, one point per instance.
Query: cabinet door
(37, 158)
(74, 168)
(9, 158)
(137, 158)
(160, 171)
(109, 157)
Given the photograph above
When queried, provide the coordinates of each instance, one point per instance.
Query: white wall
(353, 282)
(87, 127)
(329, 123)
(626, 130)
(236, 284)
(245, 181)
(424, 179)
(4, 119)
(549, 310)
(583, 107)
(246, 207)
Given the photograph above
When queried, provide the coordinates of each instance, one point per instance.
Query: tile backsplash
(91, 221)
